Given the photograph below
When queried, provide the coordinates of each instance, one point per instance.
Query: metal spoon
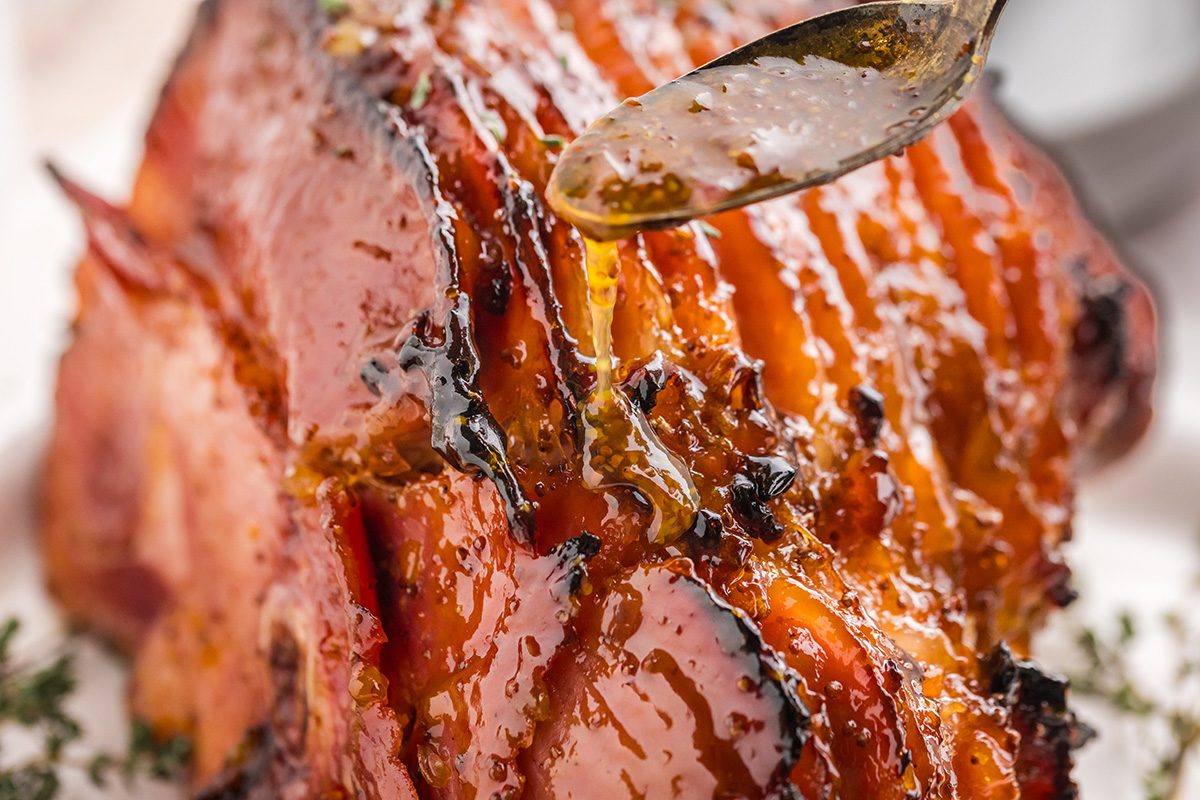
(795, 109)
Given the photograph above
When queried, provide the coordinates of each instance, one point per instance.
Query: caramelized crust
(317, 460)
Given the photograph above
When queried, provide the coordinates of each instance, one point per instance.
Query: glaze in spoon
(795, 109)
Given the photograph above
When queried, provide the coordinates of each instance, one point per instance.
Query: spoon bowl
(795, 109)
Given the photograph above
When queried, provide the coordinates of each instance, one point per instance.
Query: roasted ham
(319, 463)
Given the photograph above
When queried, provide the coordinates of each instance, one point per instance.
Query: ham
(318, 462)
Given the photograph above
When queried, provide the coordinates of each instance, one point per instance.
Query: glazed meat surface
(319, 461)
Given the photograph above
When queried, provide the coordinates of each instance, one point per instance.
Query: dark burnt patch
(867, 406)
(644, 383)
(1049, 731)
(752, 512)
(1100, 336)
(761, 479)
(770, 475)
(494, 285)
(1060, 586)
(497, 292)
(706, 531)
(573, 556)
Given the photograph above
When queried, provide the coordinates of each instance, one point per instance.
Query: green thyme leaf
(495, 125)
(157, 758)
(420, 92)
(1089, 643)
(1128, 628)
(7, 631)
(333, 6)
(1109, 677)
(1126, 698)
(98, 767)
(34, 698)
(31, 782)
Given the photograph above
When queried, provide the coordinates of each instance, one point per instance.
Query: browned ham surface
(318, 461)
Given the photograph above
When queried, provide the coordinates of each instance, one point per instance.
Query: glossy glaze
(879, 390)
(725, 133)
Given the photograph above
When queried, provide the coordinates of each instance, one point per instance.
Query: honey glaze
(726, 136)
(620, 447)
(723, 134)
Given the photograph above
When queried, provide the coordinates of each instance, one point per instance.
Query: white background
(78, 80)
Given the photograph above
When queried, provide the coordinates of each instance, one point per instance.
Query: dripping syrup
(621, 448)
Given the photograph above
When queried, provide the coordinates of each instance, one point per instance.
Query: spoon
(795, 109)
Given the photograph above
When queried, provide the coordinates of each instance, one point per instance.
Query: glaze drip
(620, 446)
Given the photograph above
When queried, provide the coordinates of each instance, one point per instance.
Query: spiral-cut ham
(318, 459)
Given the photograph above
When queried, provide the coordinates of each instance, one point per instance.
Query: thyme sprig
(1108, 675)
(33, 697)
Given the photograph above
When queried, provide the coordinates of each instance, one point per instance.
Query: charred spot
(707, 528)
(644, 383)
(573, 556)
(1100, 335)
(867, 406)
(578, 379)
(1061, 590)
(754, 514)
(414, 352)
(770, 475)
(578, 548)
(1048, 730)
(497, 290)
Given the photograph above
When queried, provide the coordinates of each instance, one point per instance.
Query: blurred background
(1111, 87)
